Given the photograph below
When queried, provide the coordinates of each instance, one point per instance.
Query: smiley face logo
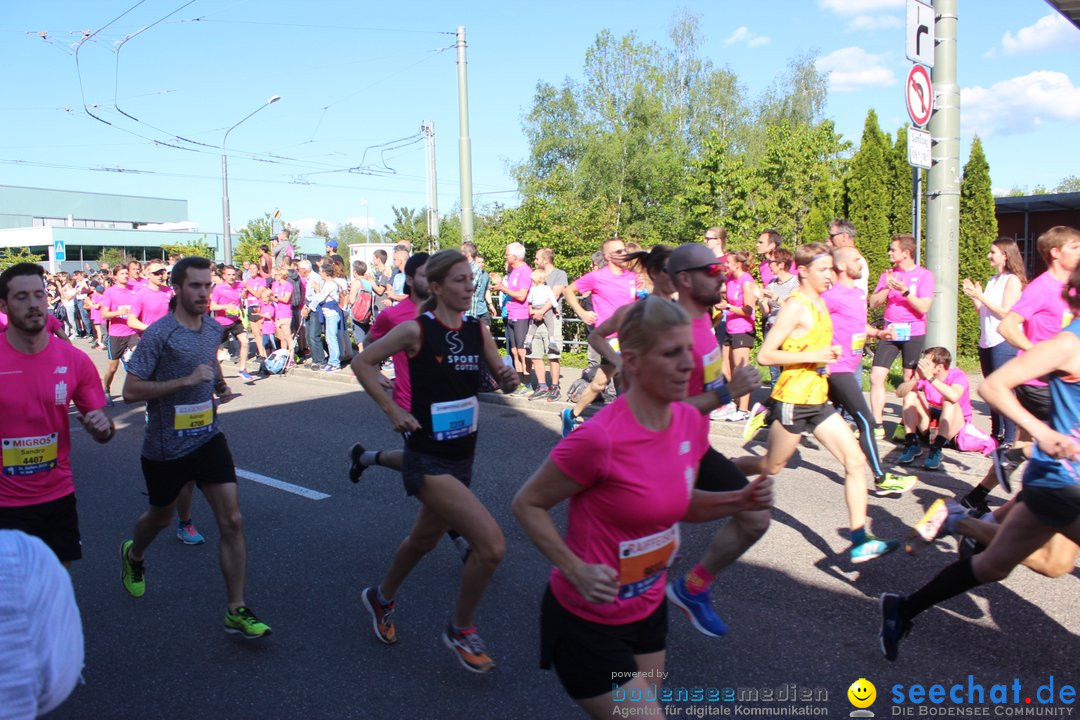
(862, 693)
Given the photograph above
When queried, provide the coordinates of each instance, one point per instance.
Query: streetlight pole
(225, 180)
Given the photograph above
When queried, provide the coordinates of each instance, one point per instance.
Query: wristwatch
(906, 292)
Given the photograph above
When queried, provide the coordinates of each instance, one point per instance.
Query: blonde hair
(437, 267)
(646, 320)
(538, 276)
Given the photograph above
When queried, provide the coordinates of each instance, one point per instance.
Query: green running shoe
(893, 484)
(133, 573)
(243, 622)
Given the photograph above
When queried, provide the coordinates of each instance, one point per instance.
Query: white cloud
(852, 68)
(1052, 32)
(860, 7)
(743, 35)
(874, 22)
(364, 222)
(1020, 104)
(306, 226)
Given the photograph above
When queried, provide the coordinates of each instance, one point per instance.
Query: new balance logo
(60, 369)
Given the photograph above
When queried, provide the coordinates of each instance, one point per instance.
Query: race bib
(454, 419)
(29, 455)
(191, 420)
(902, 330)
(858, 341)
(714, 369)
(642, 562)
(233, 312)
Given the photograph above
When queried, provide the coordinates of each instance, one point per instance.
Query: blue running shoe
(933, 460)
(872, 548)
(911, 452)
(893, 625)
(698, 609)
(569, 422)
(187, 534)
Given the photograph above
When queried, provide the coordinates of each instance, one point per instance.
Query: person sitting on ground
(938, 394)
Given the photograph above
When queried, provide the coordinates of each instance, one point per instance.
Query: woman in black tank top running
(445, 351)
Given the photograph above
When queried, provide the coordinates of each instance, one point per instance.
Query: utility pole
(943, 183)
(428, 128)
(464, 143)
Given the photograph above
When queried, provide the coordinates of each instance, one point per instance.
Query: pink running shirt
(34, 422)
(736, 295)
(920, 282)
(115, 297)
(638, 485)
(1044, 311)
(955, 376)
(282, 310)
(225, 294)
(520, 278)
(386, 321)
(848, 309)
(149, 306)
(609, 291)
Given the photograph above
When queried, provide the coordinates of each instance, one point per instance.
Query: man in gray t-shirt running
(175, 371)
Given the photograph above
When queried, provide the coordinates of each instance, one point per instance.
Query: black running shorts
(716, 473)
(591, 658)
(1054, 507)
(56, 522)
(208, 464)
(887, 350)
(798, 419)
(415, 465)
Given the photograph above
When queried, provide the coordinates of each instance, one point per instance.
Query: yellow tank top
(804, 384)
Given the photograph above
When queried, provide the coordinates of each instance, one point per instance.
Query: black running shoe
(355, 468)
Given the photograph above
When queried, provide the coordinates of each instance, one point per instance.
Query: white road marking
(281, 485)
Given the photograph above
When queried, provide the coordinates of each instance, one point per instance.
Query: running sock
(461, 630)
(858, 537)
(378, 594)
(369, 458)
(939, 442)
(977, 495)
(954, 580)
(911, 439)
(698, 580)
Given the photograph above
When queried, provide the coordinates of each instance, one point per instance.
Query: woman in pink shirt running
(603, 622)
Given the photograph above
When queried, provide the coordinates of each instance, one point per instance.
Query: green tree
(113, 256)
(1068, 184)
(408, 226)
(900, 186)
(198, 248)
(348, 234)
(867, 193)
(255, 233)
(13, 256)
(321, 230)
(978, 228)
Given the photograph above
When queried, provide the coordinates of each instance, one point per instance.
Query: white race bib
(455, 418)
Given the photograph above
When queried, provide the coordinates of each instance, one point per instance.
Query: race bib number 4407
(30, 455)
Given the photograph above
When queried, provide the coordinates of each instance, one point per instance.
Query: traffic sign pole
(943, 183)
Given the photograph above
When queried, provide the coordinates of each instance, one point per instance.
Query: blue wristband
(721, 391)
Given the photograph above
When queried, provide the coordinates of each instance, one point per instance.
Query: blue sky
(353, 76)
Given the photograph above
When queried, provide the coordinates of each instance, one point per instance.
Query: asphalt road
(799, 612)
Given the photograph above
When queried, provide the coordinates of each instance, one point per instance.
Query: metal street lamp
(225, 179)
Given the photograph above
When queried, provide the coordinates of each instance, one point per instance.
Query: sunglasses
(712, 269)
(160, 272)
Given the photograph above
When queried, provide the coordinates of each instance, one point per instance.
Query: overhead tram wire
(116, 77)
(78, 69)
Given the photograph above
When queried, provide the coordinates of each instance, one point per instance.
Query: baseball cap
(332, 244)
(690, 256)
(414, 263)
